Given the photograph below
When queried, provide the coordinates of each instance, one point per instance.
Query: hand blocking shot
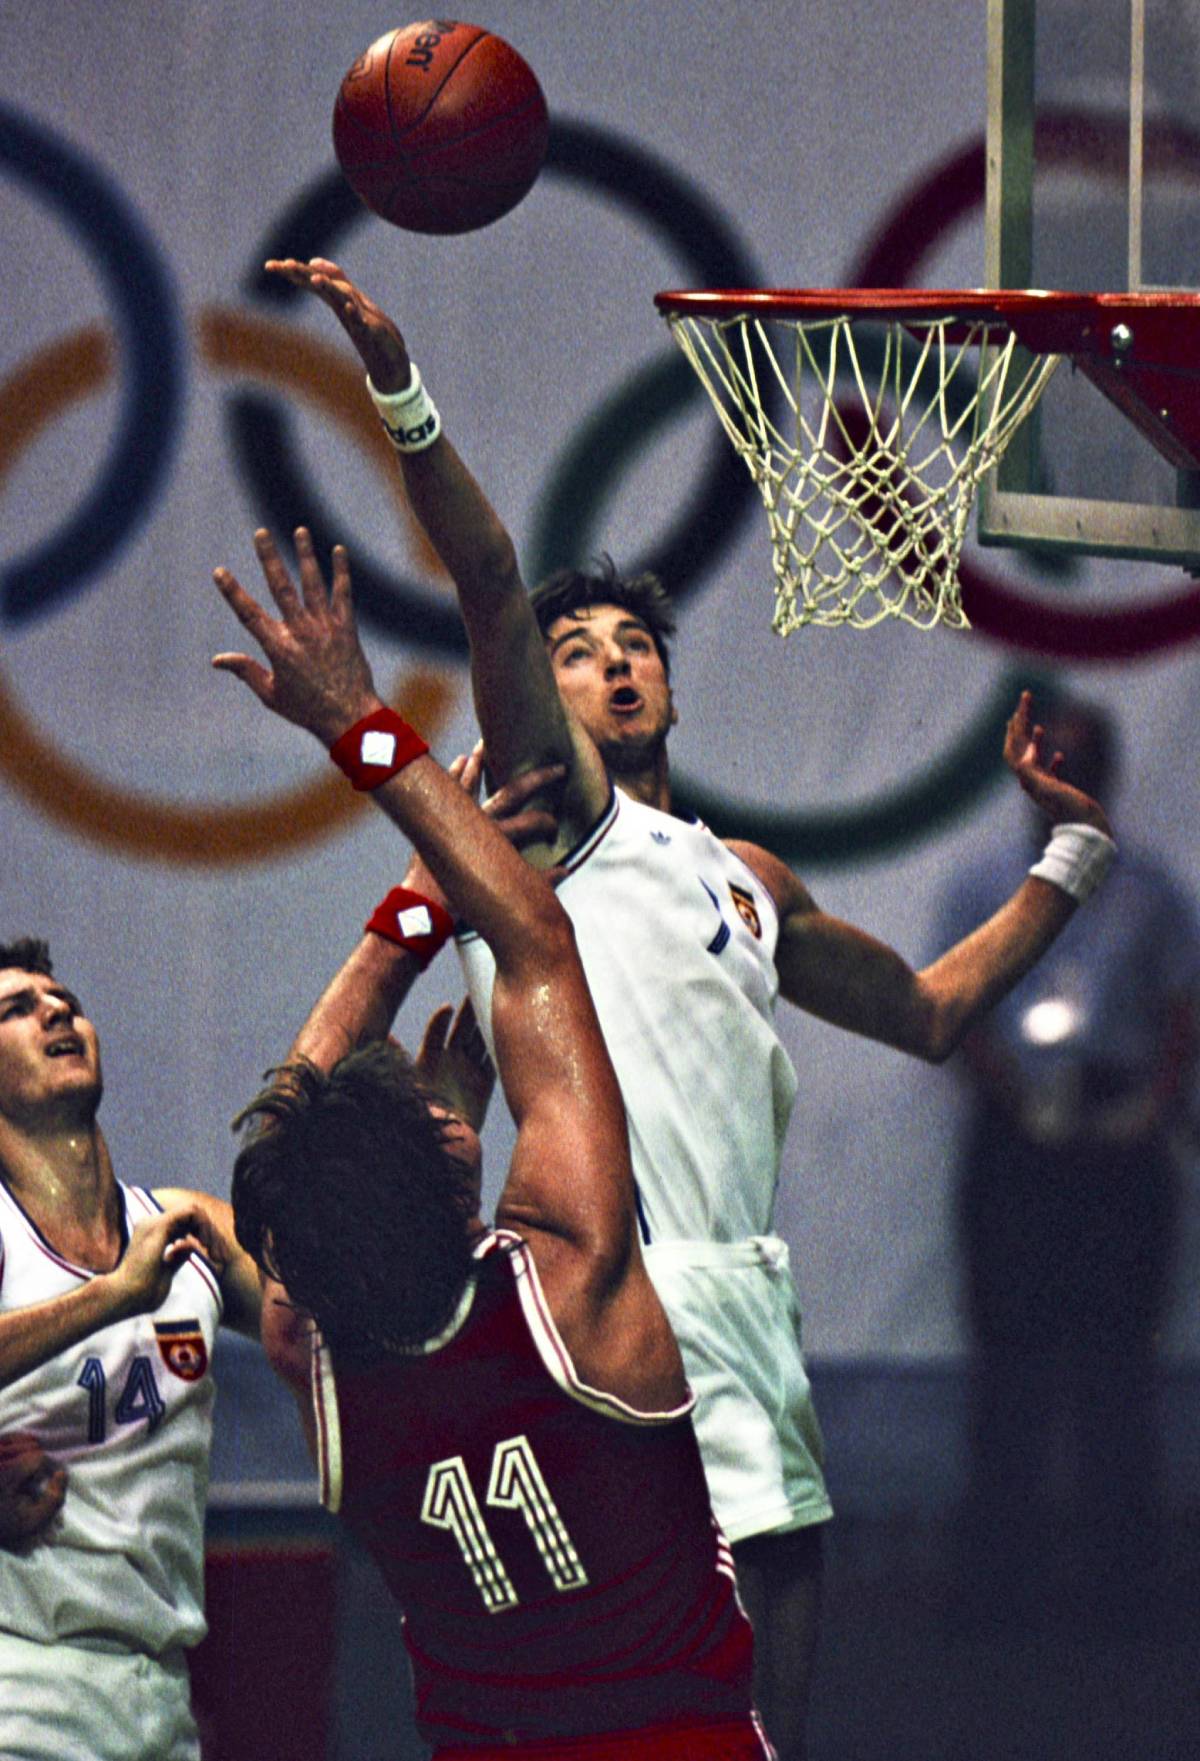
(499, 1412)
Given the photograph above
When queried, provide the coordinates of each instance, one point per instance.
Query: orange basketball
(440, 127)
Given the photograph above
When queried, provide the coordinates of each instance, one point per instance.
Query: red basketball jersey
(554, 1551)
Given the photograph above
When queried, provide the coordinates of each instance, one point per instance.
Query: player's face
(611, 676)
(49, 1053)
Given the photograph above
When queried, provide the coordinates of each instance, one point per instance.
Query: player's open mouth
(625, 698)
(65, 1047)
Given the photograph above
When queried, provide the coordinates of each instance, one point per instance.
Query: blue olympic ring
(142, 293)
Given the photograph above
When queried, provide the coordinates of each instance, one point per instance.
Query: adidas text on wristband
(410, 417)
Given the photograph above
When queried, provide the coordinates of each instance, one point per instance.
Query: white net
(867, 440)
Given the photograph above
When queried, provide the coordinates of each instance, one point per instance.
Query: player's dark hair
(27, 954)
(569, 591)
(347, 1194)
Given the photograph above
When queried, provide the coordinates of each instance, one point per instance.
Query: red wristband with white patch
(414, 922)
(376, 747)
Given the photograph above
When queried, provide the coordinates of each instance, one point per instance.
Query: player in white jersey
(579, 674)
(708, 1087)
(110, 1296)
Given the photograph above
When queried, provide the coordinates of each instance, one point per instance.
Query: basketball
(440, 127)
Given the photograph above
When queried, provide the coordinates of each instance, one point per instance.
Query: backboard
(1093, 183)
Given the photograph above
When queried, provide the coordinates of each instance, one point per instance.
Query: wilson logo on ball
(421, 53)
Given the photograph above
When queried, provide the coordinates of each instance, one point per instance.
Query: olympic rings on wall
(147, 343)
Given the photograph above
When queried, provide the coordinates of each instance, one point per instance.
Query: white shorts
(734, 1310)
(71, 1702)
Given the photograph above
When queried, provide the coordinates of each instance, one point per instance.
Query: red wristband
(376, 747)
(414, 922)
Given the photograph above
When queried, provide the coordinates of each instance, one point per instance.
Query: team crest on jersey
(181, 1345)
(747, 910)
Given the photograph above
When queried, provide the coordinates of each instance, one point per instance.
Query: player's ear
(674, 709)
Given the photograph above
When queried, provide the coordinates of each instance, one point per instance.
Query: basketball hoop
(867, 428)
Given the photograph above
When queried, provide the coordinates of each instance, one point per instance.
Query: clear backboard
(1093, 168)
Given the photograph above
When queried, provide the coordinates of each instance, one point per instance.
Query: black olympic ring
(724, 496)
(139, 286)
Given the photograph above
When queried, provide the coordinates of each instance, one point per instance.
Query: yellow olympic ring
(63, 374)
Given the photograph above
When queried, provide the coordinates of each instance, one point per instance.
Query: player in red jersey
(502, 1413)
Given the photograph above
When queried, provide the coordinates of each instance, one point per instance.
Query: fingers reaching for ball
(376, 337)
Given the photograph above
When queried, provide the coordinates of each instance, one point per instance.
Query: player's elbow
(538, 929)
(551, 929)
(935, 1026)
(937, 1049)
(494, 566)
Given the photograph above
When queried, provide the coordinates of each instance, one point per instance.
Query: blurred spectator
(1067, 1199)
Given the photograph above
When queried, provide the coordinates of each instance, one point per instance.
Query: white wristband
(410, 417)
(1077, 858)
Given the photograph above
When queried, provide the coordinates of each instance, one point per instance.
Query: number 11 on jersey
(516, 1483)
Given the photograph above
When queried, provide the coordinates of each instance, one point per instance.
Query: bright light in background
(1051, 1022)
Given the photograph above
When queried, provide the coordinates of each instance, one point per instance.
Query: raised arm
(849, 978)
(516, 699)
(570, 1181)
(360, 1002)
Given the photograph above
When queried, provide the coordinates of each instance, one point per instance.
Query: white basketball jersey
(128, 1413)
(677, 938)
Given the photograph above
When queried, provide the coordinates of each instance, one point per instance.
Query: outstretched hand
(318, 675)
(1042, 781)
(379, 343)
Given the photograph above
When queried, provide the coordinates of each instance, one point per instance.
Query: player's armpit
(839, 973)
(826, 966)
(855, 981)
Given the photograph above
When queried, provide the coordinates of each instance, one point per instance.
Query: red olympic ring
(1085, 141)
